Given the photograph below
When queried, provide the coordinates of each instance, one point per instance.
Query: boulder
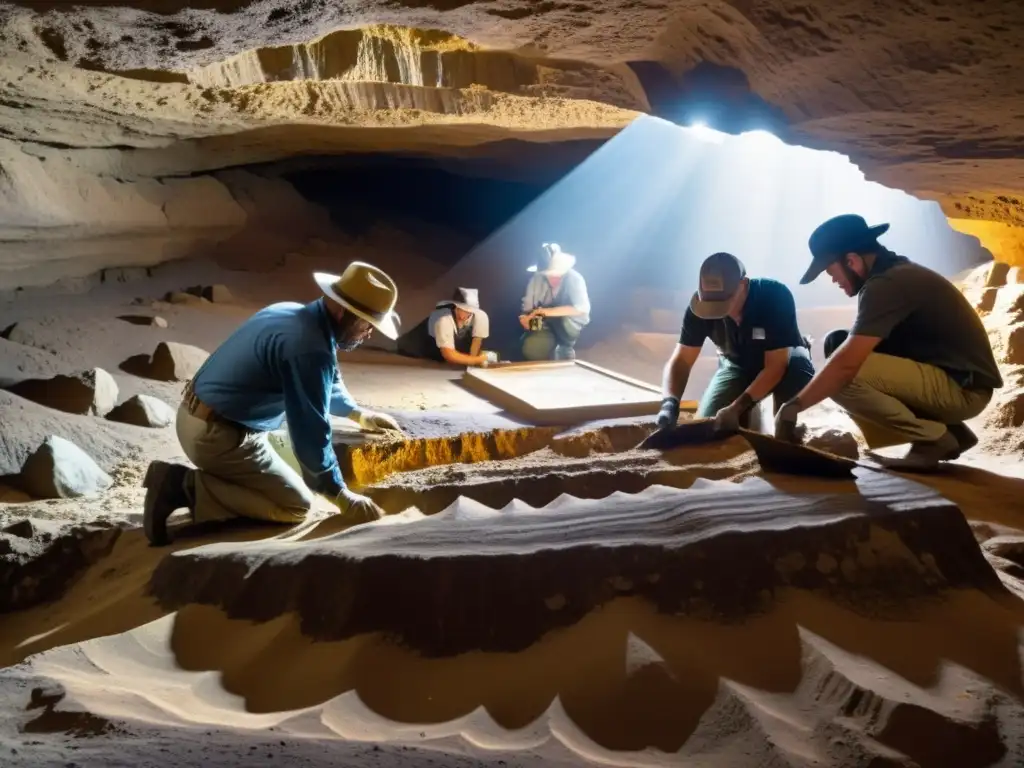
(1015, 347)
(59, 469)
(150, 320)
(143, 411)
(176, 362)
(91, 393)
(835, 441)
(218, 294)
(984, 301)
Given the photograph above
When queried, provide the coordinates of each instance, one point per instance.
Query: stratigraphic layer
(476, 578)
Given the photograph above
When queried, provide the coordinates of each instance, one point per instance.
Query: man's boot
(964, 437)
(926, 456)
(165, 494)
(563, 352)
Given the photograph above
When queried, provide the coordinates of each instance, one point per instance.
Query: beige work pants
(894, 400)
(239, 474)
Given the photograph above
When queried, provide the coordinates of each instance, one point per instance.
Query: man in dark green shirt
(752, 322)
(917, 362)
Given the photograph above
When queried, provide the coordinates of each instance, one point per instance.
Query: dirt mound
(475, 578)
(39, 560)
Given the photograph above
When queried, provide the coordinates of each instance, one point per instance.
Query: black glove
(727, 420)
(668, 416)
(785, 421)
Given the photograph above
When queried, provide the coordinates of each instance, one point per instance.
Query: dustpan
(693, 432)
(776, 455)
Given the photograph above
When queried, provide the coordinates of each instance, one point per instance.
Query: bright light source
(701, 131)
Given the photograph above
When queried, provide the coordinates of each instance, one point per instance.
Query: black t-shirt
(769, 322)
(919, 315)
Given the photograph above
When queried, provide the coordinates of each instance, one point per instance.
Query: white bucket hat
(366, 292)
(466, 299)
(555, 261)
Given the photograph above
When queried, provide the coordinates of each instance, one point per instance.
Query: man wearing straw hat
(556, 307)
(280, 365)
(453, 333)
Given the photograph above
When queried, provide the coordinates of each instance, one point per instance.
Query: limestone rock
(59, 469)
(839, 442)
(91, 393)
(480, 578)
(985, 300)
(1007, 547)
(1015, 347)
(176, 362)
(218, 294)
(151, 320)
(143, 411)
(41, 565)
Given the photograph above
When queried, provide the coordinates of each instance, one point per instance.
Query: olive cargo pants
(239, 474)
(895, 400)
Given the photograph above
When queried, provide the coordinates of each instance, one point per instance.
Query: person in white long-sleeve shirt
(556, 307)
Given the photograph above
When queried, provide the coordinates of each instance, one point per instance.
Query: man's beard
(855, 281)
(347, 345)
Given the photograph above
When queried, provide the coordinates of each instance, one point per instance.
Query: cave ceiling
(924, 96)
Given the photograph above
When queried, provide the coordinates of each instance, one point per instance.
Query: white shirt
(441, 327)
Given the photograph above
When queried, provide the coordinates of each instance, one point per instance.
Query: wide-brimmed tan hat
(555, 261)
(366, 292)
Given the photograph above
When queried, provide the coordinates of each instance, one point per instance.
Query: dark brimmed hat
(837, 237)
(720, 278)
(467, 299)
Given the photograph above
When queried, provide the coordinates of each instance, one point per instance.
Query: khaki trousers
(239, 474)
(894, 400)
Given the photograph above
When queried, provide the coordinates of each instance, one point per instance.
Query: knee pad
(833, 339)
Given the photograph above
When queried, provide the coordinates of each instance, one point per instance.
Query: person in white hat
(453, 333)
(279, 365)
(556, 307)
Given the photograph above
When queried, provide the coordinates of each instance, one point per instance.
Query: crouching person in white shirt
(454, 332)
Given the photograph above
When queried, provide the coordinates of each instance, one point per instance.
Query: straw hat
(554, 262)
(366, 292)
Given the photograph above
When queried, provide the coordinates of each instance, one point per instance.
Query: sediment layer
(476, 578)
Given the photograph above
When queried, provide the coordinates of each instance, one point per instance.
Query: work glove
(360, 507)
(785, 421)
(668, 416)
(727, 420)
(490, 357)
(375, 422)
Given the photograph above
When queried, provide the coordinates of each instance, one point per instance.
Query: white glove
(362, 507)
(375, 422)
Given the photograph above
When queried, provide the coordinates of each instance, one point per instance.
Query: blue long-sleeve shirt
(281, 364)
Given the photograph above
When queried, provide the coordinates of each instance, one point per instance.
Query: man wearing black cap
(917, 362)
(453, 333)
(752, 322)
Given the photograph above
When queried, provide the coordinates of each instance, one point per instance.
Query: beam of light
(701, 131)
(647, 207)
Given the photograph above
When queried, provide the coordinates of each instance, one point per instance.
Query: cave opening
(640, 212)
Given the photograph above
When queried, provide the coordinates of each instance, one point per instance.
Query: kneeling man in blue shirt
(281, 364)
